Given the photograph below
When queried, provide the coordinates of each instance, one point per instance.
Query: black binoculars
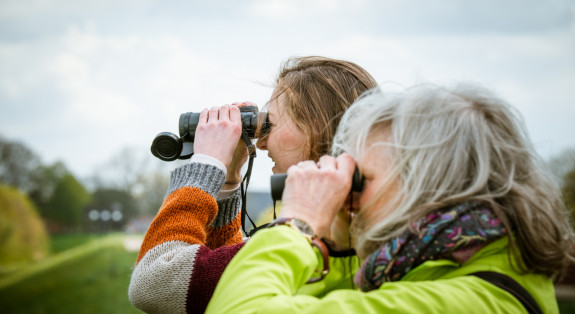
(168, 147)
(278, 184)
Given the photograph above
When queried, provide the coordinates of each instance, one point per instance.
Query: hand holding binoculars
(168, 146)
(278, 184)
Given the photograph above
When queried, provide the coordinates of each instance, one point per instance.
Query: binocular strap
(244, 186)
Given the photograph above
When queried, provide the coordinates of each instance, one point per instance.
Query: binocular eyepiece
(168, 147)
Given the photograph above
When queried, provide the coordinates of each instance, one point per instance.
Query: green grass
(60, 243)
(91, 277)
(85, 274)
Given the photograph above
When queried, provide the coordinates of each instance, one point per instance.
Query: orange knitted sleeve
(184, 216)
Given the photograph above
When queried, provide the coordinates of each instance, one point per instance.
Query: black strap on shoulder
(508, 284)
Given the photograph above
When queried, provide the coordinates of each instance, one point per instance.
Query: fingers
(307, 164)
(345, 163)
(213, 114)
(235, 114)
(225, 112)
(203, 116)
(315, 192)
(327, 163)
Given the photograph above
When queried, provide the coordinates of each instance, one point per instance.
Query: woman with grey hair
(457, 214)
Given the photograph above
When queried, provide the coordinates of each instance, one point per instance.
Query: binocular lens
(168, 147)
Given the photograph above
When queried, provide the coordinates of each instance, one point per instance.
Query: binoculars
(168, 146)
(278, 184)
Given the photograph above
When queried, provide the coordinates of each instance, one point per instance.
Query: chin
(338, 245)
(276, 170)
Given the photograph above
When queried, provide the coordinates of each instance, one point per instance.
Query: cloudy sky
(81, 79)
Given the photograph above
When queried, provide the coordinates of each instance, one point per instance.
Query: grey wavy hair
(450, 145)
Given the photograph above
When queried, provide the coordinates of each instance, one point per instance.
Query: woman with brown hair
(197, 231)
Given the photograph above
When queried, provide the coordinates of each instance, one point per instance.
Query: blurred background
(86, 85)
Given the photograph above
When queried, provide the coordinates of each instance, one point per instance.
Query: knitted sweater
(192, 240)
(189, 243)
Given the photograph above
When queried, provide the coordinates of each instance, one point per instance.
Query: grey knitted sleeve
(204, 176)
(210, 179)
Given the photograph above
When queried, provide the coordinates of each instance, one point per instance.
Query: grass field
(85, 274)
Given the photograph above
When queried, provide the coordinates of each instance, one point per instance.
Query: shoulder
(455, 278)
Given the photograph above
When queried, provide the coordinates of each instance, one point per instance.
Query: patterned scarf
(453, 233)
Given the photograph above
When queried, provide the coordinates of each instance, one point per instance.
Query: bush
(23, 237)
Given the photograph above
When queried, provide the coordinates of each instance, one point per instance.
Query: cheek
(365, 195)
(366, 205)
(291, 139)
(382, 207)
(291, 143)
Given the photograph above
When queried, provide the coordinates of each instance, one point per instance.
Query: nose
(262, 143)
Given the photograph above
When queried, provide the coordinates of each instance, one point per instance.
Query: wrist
(233, 182)
(297, 224)
(307, 231)
(303, 215)
(233, 176)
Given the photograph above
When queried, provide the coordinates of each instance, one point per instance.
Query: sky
(82, 79)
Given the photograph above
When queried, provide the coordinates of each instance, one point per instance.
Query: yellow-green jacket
(268, 275)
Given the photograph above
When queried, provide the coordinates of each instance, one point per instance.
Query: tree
(110, 209)
(124, 169)
(150, 191)
(64, 209)
(21, 168)
(45, 180)
(135, 170)
(569, 190)
(562, 163)
(17, 165)
(563, 167)
(23, 236)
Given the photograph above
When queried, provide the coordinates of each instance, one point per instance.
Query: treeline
(128, 186)
(563, 167)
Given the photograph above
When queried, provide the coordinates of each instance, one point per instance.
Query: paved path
(132, 243)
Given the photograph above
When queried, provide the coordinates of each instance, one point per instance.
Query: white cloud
(34, 8)
(95, 76)
(22, 68)
(112, 91)
(534, 72)
(286, 10)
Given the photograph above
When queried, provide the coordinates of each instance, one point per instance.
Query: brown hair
(317, 91)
